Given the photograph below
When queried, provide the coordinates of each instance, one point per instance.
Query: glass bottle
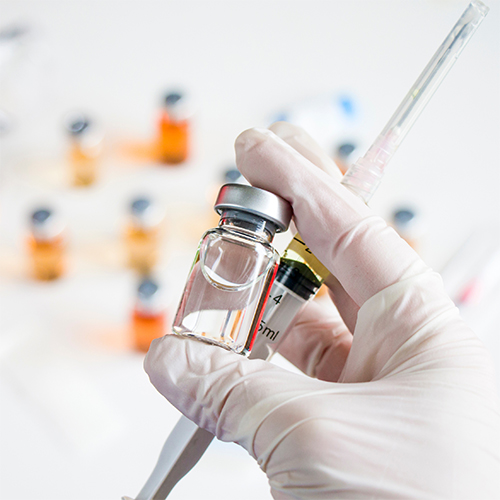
(46, 245)
(84, 149)
(231, 175)
(149, 315)
(344, 155)
(408, 225)
(142, 235)
(174, 129)
(233, 270)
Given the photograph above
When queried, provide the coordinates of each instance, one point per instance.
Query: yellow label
(298, 246)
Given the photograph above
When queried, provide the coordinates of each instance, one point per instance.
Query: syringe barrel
(282, 307)
(364, 176)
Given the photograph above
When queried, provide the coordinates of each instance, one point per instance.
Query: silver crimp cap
(255, 201)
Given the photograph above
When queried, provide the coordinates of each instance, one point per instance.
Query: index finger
(356, 246)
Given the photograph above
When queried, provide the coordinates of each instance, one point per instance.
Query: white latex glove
(405, 408)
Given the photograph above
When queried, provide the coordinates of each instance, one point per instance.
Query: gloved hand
(404, 408)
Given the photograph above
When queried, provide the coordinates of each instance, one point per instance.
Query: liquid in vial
(234, 268)
(46, 245)
(143, 234)
(84, 150)
(174, 129)
(149, 317)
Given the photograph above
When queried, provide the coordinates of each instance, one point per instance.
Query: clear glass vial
(233, 270)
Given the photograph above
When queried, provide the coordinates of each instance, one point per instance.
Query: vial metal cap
(404, 216)
(150, 297)
(233, 176)
(173, 98)
(45, 224)
(145, 214)
(255, 201)
(147, 289)
(346, 149)
(139, 206)
(40, 217)
(78, 124)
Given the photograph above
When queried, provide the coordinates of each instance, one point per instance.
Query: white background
(79, 419)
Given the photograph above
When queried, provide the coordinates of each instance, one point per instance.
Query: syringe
(301, 274)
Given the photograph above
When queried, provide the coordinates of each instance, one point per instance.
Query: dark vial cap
(231, 175)
(147, 289)
(41, 216)
(403, 217)
(171, 99)
(78, 124)
(346, 149)
(13, 32)
(140, 205)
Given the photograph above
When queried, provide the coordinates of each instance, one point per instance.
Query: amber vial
(84, 150)
(345, 155)
(408, 225)
(142, 235)
(46, 245)
(149, 316)
(174, 130)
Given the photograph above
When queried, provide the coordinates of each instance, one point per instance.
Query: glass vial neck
(248, 223)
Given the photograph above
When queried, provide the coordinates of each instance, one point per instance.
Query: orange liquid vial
(146, 329)
(149, 318)
(84, 150)
(143, 235)
(408, 225)
(344, 155)
(47, 246)
(142, 248)
(83, 165)
(174, 130)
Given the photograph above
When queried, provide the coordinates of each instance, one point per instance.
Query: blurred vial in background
(143, 234)
(149, 318)
(234, 268)
(174, 129)
(230, 175)
(85, 147)
(408, 224)
(233, 176)
(345, 154)
(46, 244)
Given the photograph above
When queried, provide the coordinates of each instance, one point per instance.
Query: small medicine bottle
(142, 234)
(231, 175)
(174, 129)
(149, 315)
(85, 145)
(233, 270)
(345, 155)
(408, 225)
(46, 245)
